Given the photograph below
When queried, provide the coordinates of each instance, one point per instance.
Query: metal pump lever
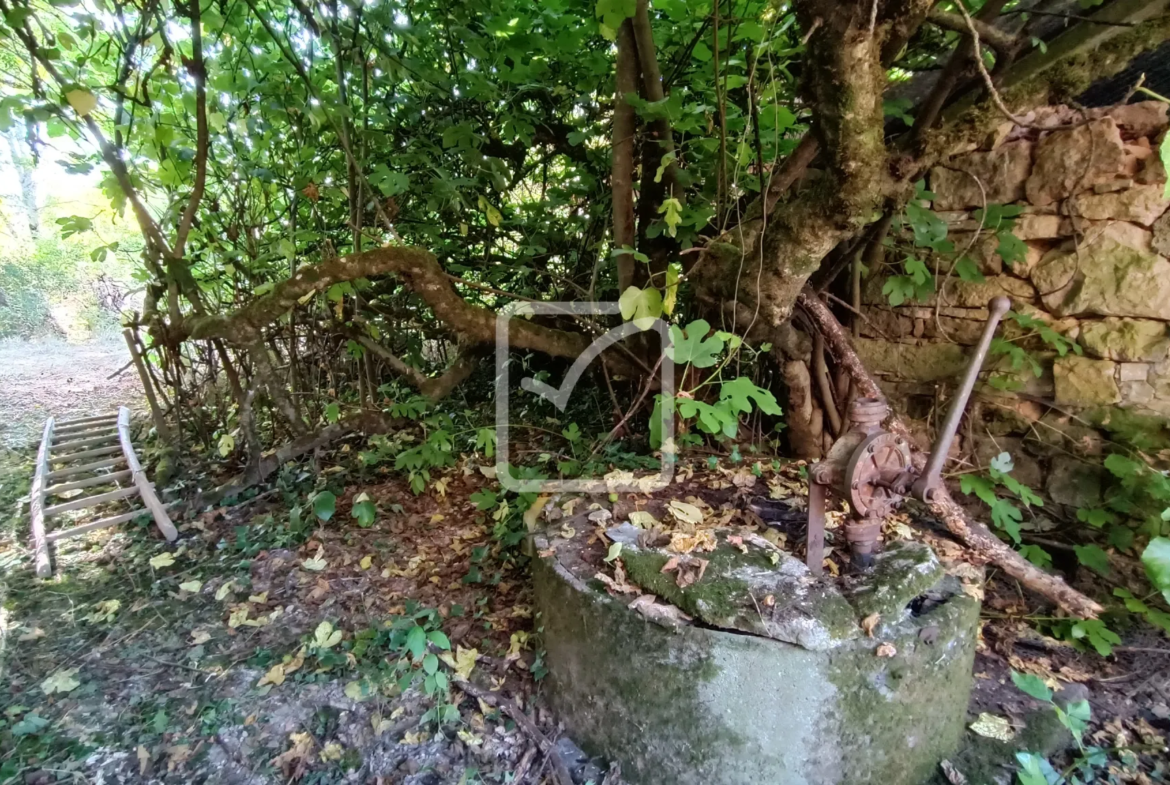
(872, 468)
(930, 479)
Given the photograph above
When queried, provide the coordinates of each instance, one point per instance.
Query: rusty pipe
(930, 479)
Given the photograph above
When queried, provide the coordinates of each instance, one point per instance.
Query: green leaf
(967, 270)
(416, 642)
(29, 724)
(1011, 249)
(364, 511)
(1156, 559)
(615, 550)
(641, 306)
(430, 663)
(332, 412)
(690, 345)
(439, 638)
(740, 392)
(1035, 770)
(663, 412)
(1094, 558)
(324, 505)
(1031, 684)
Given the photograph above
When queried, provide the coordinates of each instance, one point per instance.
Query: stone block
(1145, 118)
(1074, 482)
(1081, 381)
(1133, 372)
(914, 362)
(1066, 162)
(1135, 393)
(1126, 340)
(1160, 241)
(680, 702)
(1141, 204)
(1002, 171)
(1105, 276)
(1042, 227)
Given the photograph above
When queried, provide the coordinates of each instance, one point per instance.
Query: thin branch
(997, 39)
(198, 70)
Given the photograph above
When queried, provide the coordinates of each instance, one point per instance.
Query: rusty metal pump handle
(930, 479)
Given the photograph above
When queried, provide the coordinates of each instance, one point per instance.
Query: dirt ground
(67, 380)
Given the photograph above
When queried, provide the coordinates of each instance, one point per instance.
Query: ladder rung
(101, 479)
(82, 420)
(86, 441)
(84, 428)
(85, 467)
(90, 501)
(61, 534)
(73, 456)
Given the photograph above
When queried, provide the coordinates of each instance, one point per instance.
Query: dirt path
(51, 376)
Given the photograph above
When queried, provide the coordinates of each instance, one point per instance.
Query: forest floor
(51, 376)
(260, 648)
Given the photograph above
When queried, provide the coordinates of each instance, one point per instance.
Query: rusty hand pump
(871, 468)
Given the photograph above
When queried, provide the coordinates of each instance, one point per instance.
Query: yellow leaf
(260, 598)
(238, 617)
(684, 512)
(366, 562)
(274, 676)
(532, 514)
(162, 560)
(191, 586)
(437, 517)
(462, 662)
(993, 727)
(143, 760)
(331, 751)
(82, 101)
(223, 591)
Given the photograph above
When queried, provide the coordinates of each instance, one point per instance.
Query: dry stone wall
(1096, 225)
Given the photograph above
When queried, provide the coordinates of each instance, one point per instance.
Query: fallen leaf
(869, 622)
(296, 759)
(462, 662)
(32, 635)
(886, 650)
(192, 587)
(259, 599)
(177, 755)
(317, 563)
(642, 519)
(953, 775)
(684, 512)
(331, 751)
(993, 727)
(143, 760)
(663, 614)
(366, 562)
(274, 676)
(199, 637)
(682, 542)
(61, 681)
(223, 591)
(162, 560)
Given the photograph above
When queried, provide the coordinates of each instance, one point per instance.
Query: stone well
(755, 672)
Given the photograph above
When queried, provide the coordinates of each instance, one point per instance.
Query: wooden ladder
(89, 453)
